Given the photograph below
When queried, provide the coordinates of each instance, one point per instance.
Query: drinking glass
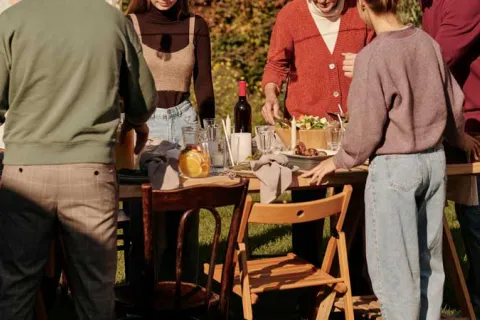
(265, 138)
(211, 127)
(334, 137)
(216, 144)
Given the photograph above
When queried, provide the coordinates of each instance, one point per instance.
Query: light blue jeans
(404, 203)
(167, 124)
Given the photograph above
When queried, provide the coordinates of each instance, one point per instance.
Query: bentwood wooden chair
(178, 299)
(291, 272)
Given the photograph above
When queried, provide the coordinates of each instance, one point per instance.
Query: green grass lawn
(269, 240)
(276, 240)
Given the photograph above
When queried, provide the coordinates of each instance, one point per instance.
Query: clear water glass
(334, 137)
(265, 138)
(212, 128)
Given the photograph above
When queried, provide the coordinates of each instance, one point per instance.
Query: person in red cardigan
(455, 25)
(312, 48)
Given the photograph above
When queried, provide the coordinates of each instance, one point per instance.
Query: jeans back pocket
(403, 172)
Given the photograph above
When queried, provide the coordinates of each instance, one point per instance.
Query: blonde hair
(383, 6)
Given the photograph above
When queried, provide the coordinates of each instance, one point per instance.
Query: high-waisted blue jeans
(167, 124)
(404, 205)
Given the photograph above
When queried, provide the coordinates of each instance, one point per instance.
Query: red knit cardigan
(298, 53)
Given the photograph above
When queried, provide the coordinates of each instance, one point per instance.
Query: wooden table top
(340, 177)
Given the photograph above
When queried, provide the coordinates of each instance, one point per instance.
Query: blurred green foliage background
(240, 34)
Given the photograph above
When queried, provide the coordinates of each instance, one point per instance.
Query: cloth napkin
(161, 162)
(273, 174)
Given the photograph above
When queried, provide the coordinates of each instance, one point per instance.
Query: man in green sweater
(64, 64)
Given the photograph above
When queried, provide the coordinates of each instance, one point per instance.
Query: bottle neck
(242, 89)
(242, 98)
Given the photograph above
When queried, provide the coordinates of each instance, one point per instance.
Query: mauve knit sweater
(402, 99)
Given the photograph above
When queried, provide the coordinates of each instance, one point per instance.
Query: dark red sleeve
(460, 29)
(202, 72)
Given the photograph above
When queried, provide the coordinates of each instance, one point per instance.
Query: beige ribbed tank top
(171, 71)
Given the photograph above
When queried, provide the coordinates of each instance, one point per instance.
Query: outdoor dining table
(357, 177)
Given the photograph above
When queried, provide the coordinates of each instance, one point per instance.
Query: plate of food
(307, 158)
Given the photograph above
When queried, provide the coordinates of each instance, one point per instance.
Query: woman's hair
(383, 6)
(140, 6)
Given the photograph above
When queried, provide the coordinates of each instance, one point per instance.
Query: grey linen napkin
(273, 174)
(161, 162)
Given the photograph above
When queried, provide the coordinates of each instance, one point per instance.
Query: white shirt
(327, 26)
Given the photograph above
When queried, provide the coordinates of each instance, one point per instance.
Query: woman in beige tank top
(176, 46)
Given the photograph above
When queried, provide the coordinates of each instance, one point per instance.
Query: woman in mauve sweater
(399, 123)
(313, 43)
(176, 46)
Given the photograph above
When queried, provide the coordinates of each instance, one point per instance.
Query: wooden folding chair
(291, 272)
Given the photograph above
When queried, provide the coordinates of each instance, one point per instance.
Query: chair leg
(126, 251)
(345, 274)
(326, 306)
(245, 283)
(40, 312)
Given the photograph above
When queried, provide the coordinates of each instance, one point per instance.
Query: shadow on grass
(254, 241)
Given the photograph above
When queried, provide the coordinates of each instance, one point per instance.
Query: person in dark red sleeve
(455, 25)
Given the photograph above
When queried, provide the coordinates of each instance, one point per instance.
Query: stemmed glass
(265, 136)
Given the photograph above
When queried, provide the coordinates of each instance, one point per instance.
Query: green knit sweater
(64, 64)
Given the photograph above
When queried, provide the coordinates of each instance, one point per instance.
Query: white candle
(293, 134)
(228, 124)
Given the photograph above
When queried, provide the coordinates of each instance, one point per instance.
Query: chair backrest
(292, 213)
(190, 200)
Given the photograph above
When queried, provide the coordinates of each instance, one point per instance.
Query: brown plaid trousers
(84, 198)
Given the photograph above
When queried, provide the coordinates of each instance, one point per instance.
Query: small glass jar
(194, 160)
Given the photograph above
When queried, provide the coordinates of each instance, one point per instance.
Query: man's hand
(348, 64)
(472, 147)
(141, 133)
(271, 110)
(317, 173)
